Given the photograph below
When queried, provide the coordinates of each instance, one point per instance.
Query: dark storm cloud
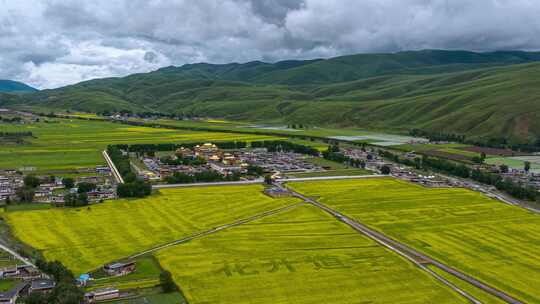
(49, 43)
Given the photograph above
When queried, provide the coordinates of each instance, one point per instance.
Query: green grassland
(300, 256)
(7, 284)
(516, 162)
(86, 238)
(145, 275)
(492, 241)
(74, 143)
(460, 152)
(449, 91)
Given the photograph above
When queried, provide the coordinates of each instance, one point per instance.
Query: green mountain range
(478, 94)
(10, 86)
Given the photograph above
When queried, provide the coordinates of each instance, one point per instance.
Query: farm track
(418, 258)
(217, 229)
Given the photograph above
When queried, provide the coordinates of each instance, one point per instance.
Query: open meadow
(67, 144)
(491, 241)
(86, 238)
(517, 162)
(300, 256)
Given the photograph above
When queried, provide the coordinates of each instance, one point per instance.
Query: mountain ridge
(478, 94)
(11, 86)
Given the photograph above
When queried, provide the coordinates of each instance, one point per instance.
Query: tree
(66, 290)
(36, 298)
(31, 181)
(503, 168)
(76, 200)
(385, 170)
(26, 194)
(85, 187)
(255, 170)
(167, 283)
(268, 179)
(477, 160)
(527, 166)
(483, 156)
(68, 182)
(130, 177)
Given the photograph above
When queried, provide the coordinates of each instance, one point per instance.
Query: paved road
(260, 181)
(248, 182)
(302, 179)
(413, 255)
(114, 171)
(217, 229)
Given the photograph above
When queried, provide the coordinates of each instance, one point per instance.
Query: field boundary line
(217, 229)
(114, 171)
(415, 256)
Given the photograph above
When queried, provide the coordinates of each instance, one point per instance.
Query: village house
(277, 192)
(207, 150)
(101, 295)
(9, 272)
(42, 285)
(119, 268)
(29, 272)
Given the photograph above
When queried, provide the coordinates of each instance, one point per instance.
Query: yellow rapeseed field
(494, 242)
(86, 238)
(300, 256)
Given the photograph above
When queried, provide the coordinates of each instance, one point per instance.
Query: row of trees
(333, 153)
(132, 186)
(437, 136)
(441, 165)
(200, 177)
(137, 188)
(491, 142)
(296, 126)
(152, 148)
(15, 119)
(15, 134)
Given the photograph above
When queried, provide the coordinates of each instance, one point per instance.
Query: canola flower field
(86, 238)
(69, 144)
(300, 256)
(491, 241)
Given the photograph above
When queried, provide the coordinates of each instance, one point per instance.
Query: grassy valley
(477, 94)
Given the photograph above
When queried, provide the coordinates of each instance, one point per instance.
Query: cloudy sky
(51, 43)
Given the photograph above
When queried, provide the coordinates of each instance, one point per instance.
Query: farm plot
(301, 256)
(489, 240)
(517, 162)
(86, 238)
(68, 144)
